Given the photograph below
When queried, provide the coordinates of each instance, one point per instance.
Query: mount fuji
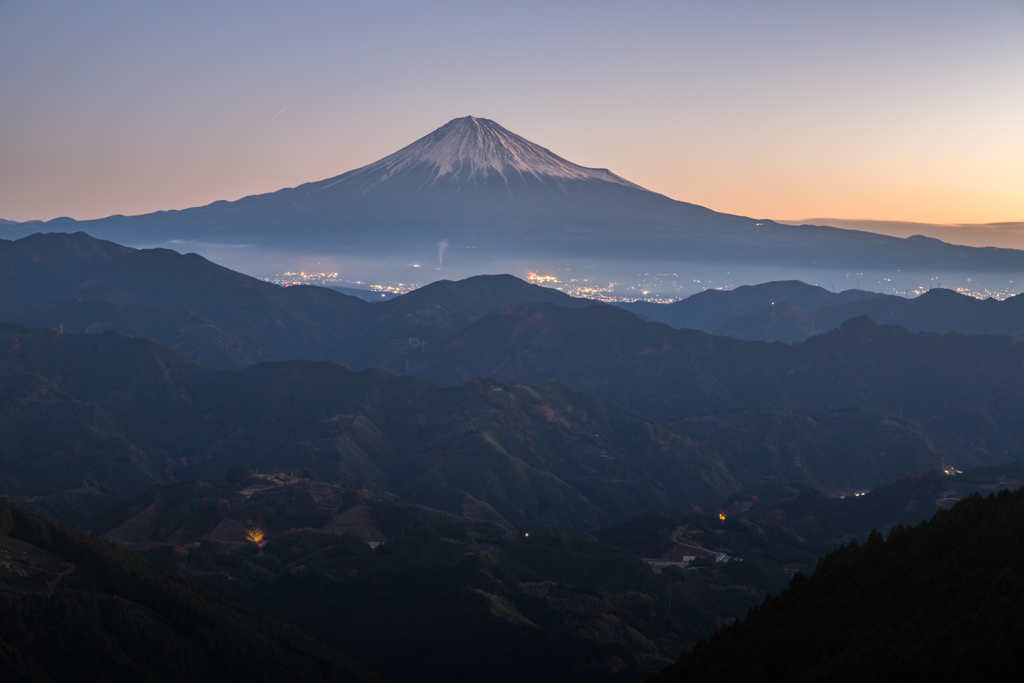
(476, 185)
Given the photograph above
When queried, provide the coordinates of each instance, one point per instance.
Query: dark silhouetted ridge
(941, 601)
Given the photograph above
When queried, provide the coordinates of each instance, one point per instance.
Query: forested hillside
(77, 608)
(130, 412)
(941, 601)
(967, 389)
(462, 598)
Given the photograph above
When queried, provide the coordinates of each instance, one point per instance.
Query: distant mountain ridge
(225, 319)
(937, 310)
(478, 185)
(707, 310)
(726, 396)
(793, 311)
(229, 320)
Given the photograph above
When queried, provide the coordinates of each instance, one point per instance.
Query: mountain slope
(465, 599)
(793, 311)
(937, 310)
(42, 268)
(477, 185)
(911, 499)
(130, 412)
(77, 608)
(967, 389)
(940, 601)
(190, 335)
(224, 319)
(236, 319)
(839, 450)
(711, 308)
(429, 313)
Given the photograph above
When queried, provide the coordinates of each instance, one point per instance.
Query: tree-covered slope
(969, 389)
(396, 329)
(76, 608)
(839, 450)
(941, 601)
(130, 412)
(56, 280)
(188, 334)
(42, 268)
(459, 599)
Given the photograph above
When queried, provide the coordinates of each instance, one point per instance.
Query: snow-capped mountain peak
(471, 149)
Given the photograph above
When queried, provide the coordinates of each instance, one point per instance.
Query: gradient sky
(910, 110)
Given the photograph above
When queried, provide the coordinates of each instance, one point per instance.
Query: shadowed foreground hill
(822, 521)
(77, 608)
(461, 599)
(941, 601)
(131, 412)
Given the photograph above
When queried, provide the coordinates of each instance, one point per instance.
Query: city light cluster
(394, 287)
(302, 278)
(649, 288)
(652, 287)
(333, 280)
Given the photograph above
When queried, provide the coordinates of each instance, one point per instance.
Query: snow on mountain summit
(471, 149)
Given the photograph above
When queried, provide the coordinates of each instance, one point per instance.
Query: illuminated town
(653, 287)
(333, 281)
(650, 288)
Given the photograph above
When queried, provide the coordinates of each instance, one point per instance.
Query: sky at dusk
(890, 111)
